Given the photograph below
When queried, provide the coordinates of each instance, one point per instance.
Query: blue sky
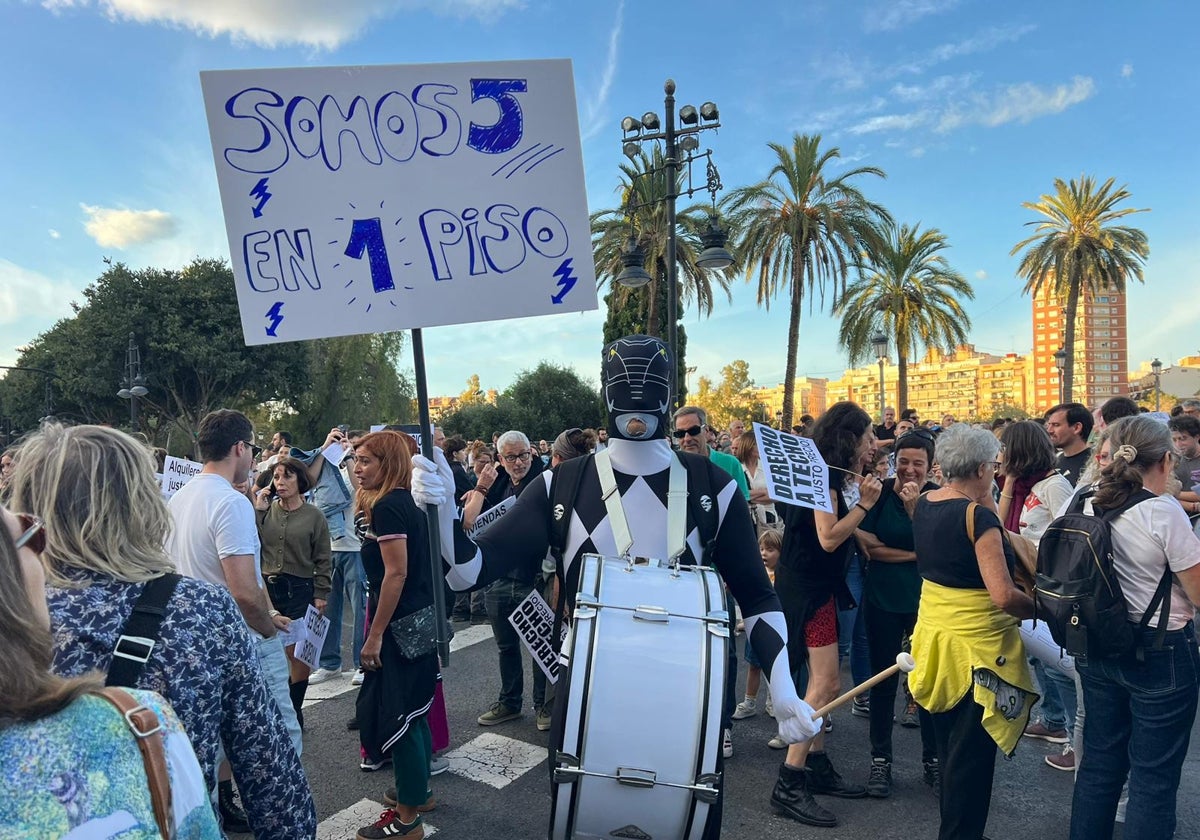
(970, 107)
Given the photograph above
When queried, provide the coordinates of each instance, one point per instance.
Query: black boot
(233, 818)
(298, 690)
(791, 797)
(822, 778)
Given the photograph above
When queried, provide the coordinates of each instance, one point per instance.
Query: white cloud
(902, 13)
(600, 101)
(981, 275)
(940, 87)
(891, 122)
(273, 23)
(983, 41)
(120, 228)
(55, 234)
(1018, 103)
(26, 294)
(1126, 71)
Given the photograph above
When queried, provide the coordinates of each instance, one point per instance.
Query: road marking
(340, 684)
(344, 825)
(495, 759)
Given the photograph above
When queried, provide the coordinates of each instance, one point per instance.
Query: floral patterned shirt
(204, 665)
(78, 773)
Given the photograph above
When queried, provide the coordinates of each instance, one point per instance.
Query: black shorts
(291, 595)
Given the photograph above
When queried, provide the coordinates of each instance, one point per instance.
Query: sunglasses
(921, 434)
(33, 533)
(694, 431)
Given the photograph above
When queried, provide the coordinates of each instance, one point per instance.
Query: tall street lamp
(1060, 362)
(879, 343)
(676, 138)
(133, 385)
(1156, 369)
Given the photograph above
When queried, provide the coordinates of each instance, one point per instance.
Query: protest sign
(795, 471)
(310, 637)
(533, 619)
(176, 473)
(489, 517)
(377, 198)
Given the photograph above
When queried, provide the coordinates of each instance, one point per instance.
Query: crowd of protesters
(916, 554)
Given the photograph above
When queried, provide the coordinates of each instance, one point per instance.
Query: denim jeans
(349, 584)
(274, 663)
(503, 596)
(1140, 723)
(852, 628)
(1058, 697)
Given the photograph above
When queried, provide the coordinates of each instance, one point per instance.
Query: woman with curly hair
(811, 581)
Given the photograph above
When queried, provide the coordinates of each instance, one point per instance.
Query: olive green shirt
(296, 543)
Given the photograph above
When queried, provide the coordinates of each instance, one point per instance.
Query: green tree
(540, 402)
(733, 398)
(645, 185)
(801, 229)
(187, 327)
(909, 292)
(1077, 248)
(473, 395)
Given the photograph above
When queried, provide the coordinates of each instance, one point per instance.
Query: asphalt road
(1030, 801)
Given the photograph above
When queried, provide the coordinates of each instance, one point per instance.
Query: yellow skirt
(962, 643)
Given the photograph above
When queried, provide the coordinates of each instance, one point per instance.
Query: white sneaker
(438, 764)
(770, 707)
(748, 708)
(322, 675)
(727, 744)
(777, 743)
(357, 679)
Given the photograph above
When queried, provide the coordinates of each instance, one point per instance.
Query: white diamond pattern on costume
(344, 825)
(494, 759)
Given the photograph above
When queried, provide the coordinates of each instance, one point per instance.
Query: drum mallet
(904, 662)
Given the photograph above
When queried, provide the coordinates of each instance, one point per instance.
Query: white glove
(794, 717)
(427, 486)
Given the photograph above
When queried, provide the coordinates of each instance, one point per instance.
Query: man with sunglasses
(690, 425)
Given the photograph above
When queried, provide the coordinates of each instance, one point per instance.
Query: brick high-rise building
(1101, 349)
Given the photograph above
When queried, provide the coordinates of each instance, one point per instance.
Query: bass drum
(637, 746)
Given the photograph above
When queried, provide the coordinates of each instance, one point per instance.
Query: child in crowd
(770, 542)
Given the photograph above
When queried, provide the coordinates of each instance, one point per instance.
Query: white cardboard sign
(533, 619)
(176, 473)
(795, 471)
(308, 634)
(490, 517)
(376, 198)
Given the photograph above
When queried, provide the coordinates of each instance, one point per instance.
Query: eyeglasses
(512, 459)
(694, 431)
(33, 533)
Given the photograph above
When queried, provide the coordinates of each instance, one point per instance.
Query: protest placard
(533, 619)
(377, 198)
(310, 638)
(176, 473)
(795, 471)
(489, 517)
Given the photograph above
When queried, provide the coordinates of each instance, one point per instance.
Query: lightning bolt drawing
(566, 280)
(260, 192)
(273, 314)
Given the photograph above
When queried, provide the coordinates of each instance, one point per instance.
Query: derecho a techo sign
(369, 199)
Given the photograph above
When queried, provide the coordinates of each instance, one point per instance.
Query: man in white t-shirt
(215, 538)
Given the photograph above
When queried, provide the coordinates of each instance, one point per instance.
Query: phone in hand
(344, 429)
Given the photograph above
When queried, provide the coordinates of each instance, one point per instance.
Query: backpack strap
(565, 482)
(1162, 594)
(147, 730)
(971, 521)
(140, 633)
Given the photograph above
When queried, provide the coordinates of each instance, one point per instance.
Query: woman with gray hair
(971, 673)
(105, 523)
(1148, 703)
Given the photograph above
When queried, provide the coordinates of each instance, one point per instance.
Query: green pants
(410, 763)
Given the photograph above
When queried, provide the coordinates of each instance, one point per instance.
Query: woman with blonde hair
(399, 655)
(761, 506)
(1145, 705)
(105, 525)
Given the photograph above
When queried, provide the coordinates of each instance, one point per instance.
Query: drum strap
(611, 495)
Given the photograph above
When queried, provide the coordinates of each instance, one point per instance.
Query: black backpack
(1077, 592)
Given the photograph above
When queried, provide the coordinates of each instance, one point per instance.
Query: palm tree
(643, 213)
(801, 229)
(908, 291)
(1077, 247)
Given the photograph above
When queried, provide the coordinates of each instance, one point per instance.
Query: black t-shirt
(882, 432)
(396, 516)
(804, 565)
(1072, 466)
(945, 555)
